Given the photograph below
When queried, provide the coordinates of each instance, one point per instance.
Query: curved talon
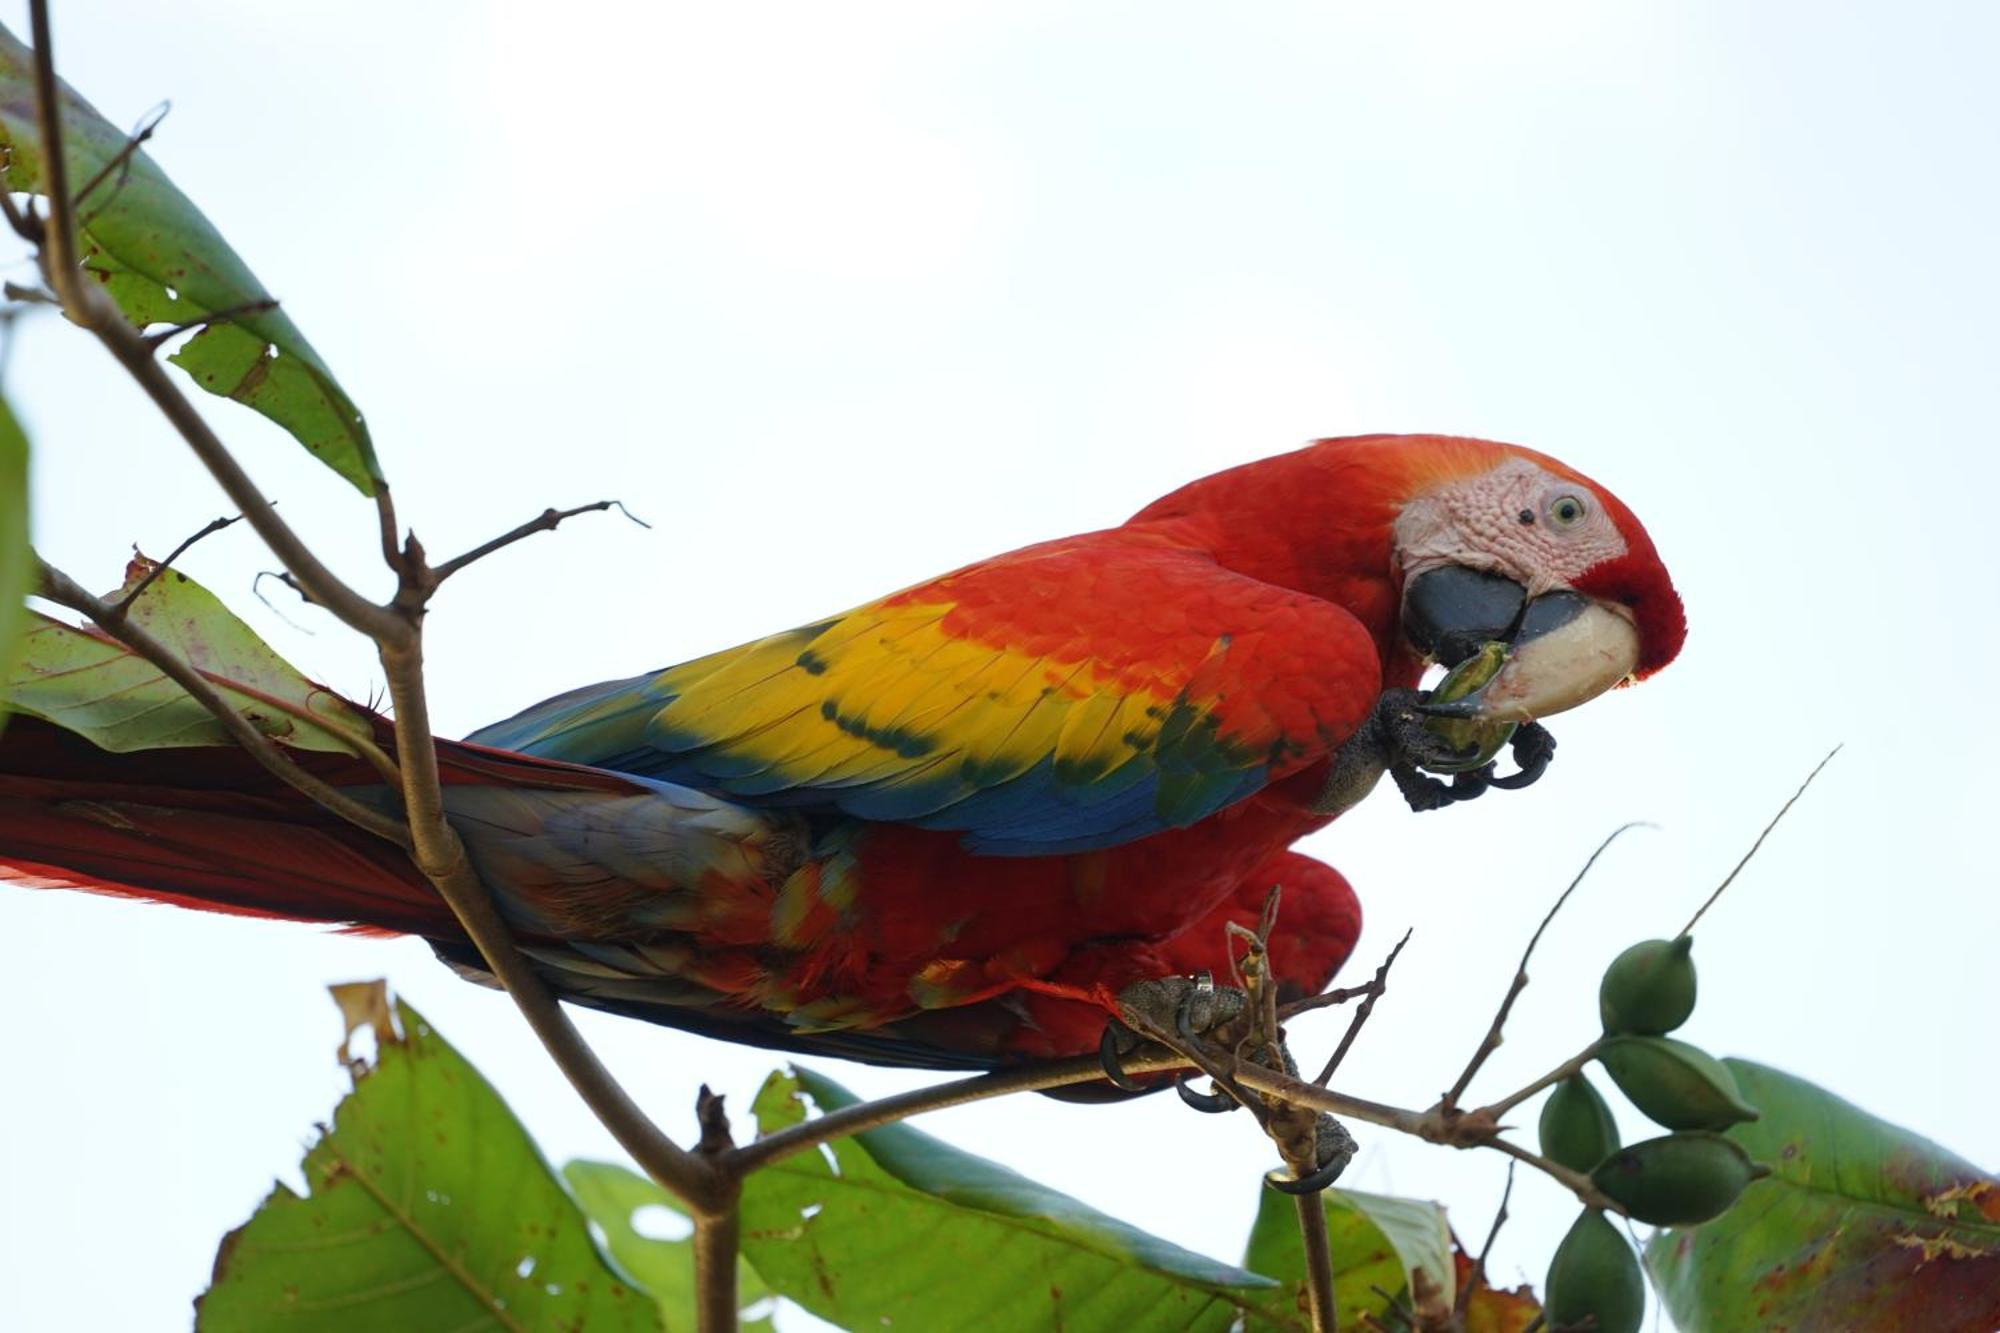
(1209, 1103)
(1423, 792)
(1334, 1148)
(1203, 988)
(1107, 1059)
(1533, 748)
(1311, 1184)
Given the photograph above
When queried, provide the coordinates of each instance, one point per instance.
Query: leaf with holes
(896, 1228)
(162, 262)
(1861, 1226)
(17, 564)
(1382, 1247)
(427, 1207)
(616, 1198)
(98, 688)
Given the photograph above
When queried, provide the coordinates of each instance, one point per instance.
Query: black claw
(1424, 792)
(1334, 1147)
(1210, 1103)
(1311, 1184)
(1107, 1058)
(1533, 748)
(1184, 1023)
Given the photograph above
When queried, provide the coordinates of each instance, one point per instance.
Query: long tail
(208, 828)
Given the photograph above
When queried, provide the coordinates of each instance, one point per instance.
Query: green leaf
(1862, 1226)
(17, 565)
(902, 1230)
(613, 1196)
(427, 1208)
(162, 262)
(1377, 1242)
(98, 688)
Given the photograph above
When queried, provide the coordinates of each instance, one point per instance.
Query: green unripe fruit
(1482, 740)
(1679, 1180)
(1675, 1084)
(1649, 988)
(1577, 1128)
(1595, 1274)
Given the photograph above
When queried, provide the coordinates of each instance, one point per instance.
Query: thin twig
(1375, 989)
(123, 157)
(228, 314)
(1578, 1183)
(1572, 1066)
(124, 604)
(1478, 1273)
(59, 588)
(546, 521)
(864, 1116)
(1323, 1000)
(1782, 810)
(1491, 1042)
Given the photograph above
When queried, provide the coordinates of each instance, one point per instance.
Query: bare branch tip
(1783, 810)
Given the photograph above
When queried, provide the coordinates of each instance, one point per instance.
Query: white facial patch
(1517, 519)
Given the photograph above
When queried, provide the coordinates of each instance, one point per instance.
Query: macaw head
(1499, 543)
(1440, 544)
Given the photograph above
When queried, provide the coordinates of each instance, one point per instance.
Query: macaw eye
(1566, 511)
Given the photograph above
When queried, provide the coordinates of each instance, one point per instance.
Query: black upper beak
(1450, 611)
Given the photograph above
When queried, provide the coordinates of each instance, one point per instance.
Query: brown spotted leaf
(162, 262)
(98, 688)
(1861, 1226)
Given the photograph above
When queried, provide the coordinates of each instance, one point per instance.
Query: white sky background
(839, 297)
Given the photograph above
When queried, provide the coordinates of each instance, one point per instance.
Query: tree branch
(440, 856)
(717, 1235)
(1321, 1303)
(431, 842)
(58, 239)
(86, 305)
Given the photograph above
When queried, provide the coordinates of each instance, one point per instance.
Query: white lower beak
(1571, 664)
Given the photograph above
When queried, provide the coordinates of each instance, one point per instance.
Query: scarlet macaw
(949, 828)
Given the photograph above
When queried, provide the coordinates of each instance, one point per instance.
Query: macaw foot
(1194, 1016)
(1334, 1148)
(1190, 1008)
(1396, 741)
(1532, 745)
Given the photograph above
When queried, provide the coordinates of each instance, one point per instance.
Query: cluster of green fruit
(1680, 1179)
